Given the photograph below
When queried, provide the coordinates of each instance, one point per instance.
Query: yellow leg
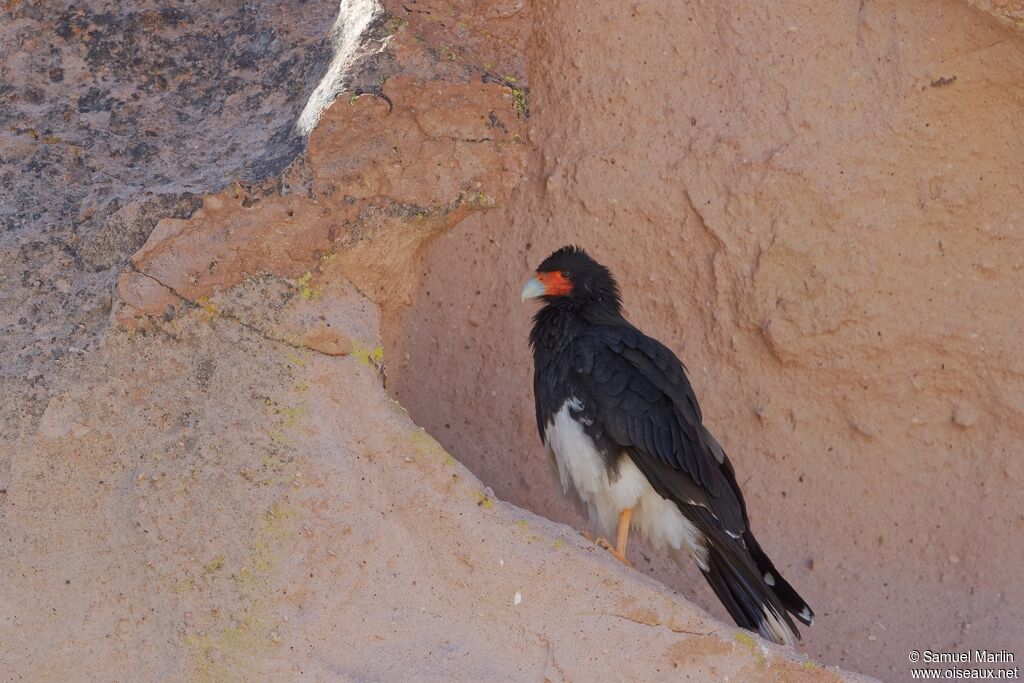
(619, 551)
(620, 542)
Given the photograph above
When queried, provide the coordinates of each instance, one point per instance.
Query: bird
(621, 425)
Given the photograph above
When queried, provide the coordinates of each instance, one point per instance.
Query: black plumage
(630, 396)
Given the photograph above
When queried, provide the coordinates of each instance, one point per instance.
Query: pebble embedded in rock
(965, 415)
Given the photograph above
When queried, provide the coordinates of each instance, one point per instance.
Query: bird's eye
(567, 274)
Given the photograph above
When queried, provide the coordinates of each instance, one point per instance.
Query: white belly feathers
(582, 467)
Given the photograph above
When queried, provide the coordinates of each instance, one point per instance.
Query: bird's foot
(618, 553)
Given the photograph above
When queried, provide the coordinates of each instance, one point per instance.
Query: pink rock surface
(208, 503)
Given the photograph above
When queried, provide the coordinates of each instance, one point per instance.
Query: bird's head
(570, 275)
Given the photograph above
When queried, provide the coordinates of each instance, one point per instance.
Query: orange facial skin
(554, 283)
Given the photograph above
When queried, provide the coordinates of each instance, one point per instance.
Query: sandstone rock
(386, 171)
(1009, 12)
(259, 509)
(145, 295)
(113, 117)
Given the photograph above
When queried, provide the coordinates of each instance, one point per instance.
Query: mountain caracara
(621, 424)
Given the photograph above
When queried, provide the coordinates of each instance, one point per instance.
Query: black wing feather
(645, 403)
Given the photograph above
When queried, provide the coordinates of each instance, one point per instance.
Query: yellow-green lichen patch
(305, 290)
(745, 639)
(559, 543)
(748, 641)
(231, 647)
(519, 101)
(183, 585)
(523, 524)
(246, 582)
(445, 51)
(280, 438)
(253, 580)
(264, 548)
(368, 356)
(396, 24)
(229, 653)
(283, 419)
(286, 472)
(289, 416)
(299, 358)
(483, 500)
(207, 307)
(481, 200)
(427, 446)
(214, 565)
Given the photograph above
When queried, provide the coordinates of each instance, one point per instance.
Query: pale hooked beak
(533, 289)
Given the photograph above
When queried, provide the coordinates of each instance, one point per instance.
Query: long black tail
(773, 582)
(787, 595)
(749, 586)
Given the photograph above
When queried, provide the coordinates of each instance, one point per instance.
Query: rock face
(1009, 12)
(819, 209)
(205, 503)
(113, 119)
(202, 476)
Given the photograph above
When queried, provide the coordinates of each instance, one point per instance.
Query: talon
(620, 556)
(618, 550)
